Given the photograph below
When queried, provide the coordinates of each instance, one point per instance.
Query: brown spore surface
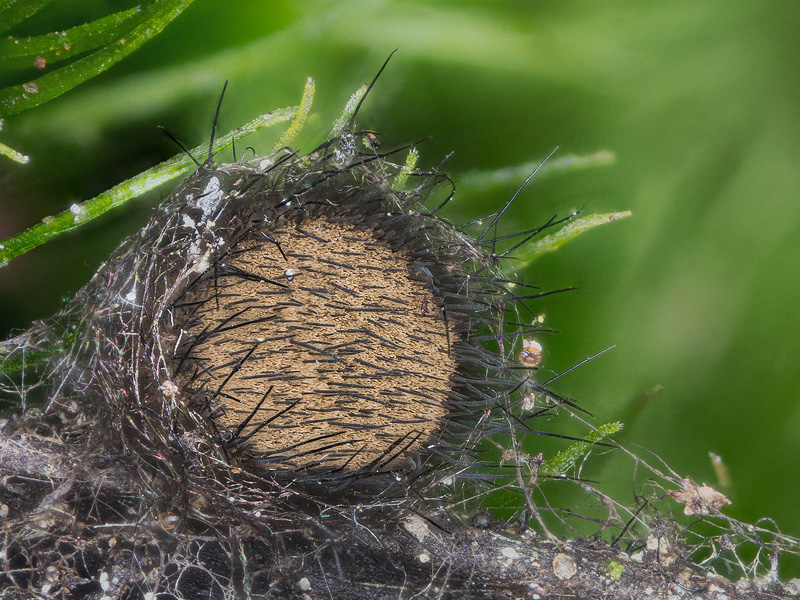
(317, 346)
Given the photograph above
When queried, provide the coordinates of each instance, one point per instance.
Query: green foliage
(343, 119)
(58, 46)
(615, 570)
(411, 163)
(566, 460)
(16, 11)
(82, 213)
(106, 41)
(485, 181)
(13, 154)
(570, 231)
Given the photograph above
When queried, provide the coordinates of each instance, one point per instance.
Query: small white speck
(210, 198)
(289, 273)
(509, 552)
(194, 251)
(202, 264)
(79, 212)
(131, 296)
(423, 558)
(564, 566)
(189, 222)
(169, 388)
(3, 511)
(416, 526)
(304, 584)
(528, 402)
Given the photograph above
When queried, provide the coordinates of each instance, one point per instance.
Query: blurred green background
(699, 101)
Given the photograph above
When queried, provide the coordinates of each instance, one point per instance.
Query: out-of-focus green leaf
(530, 252)
(13, 154)
(481, 181)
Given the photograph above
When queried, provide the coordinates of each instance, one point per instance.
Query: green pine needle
(564, 460)
(80, 214)
(132, 30)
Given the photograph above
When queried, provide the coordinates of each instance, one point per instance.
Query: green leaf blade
(80, 214)
(58, 46)
(154, 18)
(17, 11)
(482, 181)
(565, 460)
(570, 231)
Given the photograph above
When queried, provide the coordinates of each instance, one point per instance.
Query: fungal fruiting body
(317, 342)
(317, 323)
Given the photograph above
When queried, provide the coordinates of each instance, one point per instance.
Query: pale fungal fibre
(297, 380)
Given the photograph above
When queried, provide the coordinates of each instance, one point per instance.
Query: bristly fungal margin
(321, 326)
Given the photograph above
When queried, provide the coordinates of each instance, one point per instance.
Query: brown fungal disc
(325, 350)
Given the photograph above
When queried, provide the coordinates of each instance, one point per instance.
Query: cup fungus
(324, 330)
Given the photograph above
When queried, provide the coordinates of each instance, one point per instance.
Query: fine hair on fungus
(330, 337)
